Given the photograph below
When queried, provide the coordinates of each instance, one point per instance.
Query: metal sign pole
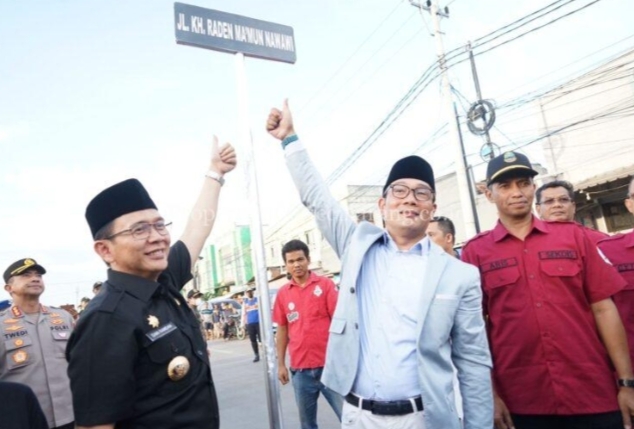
(257, 248)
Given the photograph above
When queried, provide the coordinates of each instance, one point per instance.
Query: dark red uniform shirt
(594, 235)
(307, 312)
(619, 249)
(548, 357)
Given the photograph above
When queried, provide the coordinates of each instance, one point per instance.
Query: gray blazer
(451, 325)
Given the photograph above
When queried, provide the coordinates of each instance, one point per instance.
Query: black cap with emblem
(509, 164)
(194, 294)
(120, 199)
(20, 266)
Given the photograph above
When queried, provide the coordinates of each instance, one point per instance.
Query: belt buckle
(388, 408)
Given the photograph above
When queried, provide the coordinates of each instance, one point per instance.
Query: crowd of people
(531, 326)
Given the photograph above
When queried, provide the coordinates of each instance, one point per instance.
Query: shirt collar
(311, 279)
(134, 285)
(500, 232)
(420, 248)
(629, 239)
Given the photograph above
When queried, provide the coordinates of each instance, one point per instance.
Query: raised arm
(202, 217)
(333, 221)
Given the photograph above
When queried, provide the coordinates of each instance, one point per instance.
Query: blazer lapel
(436, 261)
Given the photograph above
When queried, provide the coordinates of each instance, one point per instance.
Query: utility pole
(454, 133)
(481, 110)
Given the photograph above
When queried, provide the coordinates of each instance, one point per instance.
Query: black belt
(386, 408)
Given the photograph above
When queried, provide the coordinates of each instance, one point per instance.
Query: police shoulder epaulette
(111, 300)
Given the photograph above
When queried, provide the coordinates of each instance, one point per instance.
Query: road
(242, 393)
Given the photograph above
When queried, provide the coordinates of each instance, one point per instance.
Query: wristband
(288, 140)
(215, 176)
(624, 382)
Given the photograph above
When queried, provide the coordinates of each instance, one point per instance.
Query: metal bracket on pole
(257, 247)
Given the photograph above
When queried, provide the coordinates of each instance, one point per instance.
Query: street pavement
(242, 392)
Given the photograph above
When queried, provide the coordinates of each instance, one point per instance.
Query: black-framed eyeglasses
(420, 194)
(551, 201)
(142, 231)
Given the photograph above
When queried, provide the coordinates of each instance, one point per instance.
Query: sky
(92, 93)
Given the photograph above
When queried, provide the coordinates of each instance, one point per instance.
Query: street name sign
(226, 32)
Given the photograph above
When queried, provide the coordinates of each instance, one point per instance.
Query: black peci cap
(411, 167)
(120, 199)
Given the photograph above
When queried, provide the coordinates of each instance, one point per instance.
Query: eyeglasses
(143, 230)
(420, 194)
(551, 201)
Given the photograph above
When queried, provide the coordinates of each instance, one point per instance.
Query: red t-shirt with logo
(306, 312)
(548, 357)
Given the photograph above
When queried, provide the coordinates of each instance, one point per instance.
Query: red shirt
(307, 311)
(548, 357)
(594, 235)
(619, 249)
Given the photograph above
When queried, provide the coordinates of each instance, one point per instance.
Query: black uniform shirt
(19, 408)
(122, 345)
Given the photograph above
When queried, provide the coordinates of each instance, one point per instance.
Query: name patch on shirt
(558, 254)
(625, 267)
(501, 263)
(8, 336)
(60, 328)
(157, 333)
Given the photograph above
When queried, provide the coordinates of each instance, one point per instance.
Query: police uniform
(619, 249)
(137, 357)
(32, 353)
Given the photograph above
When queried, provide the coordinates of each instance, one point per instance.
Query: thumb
(214, 144)
(286, 108)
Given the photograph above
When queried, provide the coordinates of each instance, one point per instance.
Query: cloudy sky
(92, 93)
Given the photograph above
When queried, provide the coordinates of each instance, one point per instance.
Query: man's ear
(489, 194)
(103, 249)
(7, 287)
(629, 204)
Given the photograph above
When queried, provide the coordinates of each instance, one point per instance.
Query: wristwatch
(626, 382)
(215, 176)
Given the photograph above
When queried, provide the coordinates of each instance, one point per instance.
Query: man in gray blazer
(406, 309)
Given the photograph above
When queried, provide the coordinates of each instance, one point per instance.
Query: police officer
(33, 343)
(137, 358)
(555, 333)
(619, 249)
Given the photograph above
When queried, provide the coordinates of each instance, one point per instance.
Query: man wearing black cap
(137, 357)
(33, 343)
(406, 309)
(556, 336)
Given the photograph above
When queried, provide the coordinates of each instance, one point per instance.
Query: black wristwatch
(626, 382)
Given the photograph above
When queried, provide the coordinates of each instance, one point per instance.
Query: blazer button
(352, 290)
(356, 326)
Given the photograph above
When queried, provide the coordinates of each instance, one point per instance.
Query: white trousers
(356, 418)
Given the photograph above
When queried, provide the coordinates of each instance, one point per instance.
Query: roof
(606, 177)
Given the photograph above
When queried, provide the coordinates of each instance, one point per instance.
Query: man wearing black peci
(137, 358)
